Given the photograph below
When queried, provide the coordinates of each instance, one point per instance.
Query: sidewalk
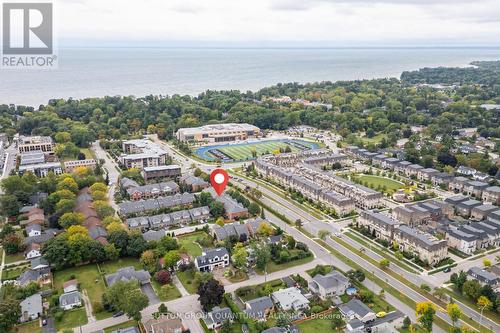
(178, 285)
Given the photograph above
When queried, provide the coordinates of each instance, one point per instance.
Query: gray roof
(209, 255)
(483, 275)
(152, 235)
(70, 298)
(259, 306)
(32, 304)
(356, 324)
(191, 180)
(97, 231)
(275, 330)
(39, 261)
(40, 239)
(141, 206)
(167, 187)
(495, 189)
(331, 280)
(220, 315)
(355, 306)
(459, 234)
(424, 239)
(230, 229)
(33, 227)
(128, 274)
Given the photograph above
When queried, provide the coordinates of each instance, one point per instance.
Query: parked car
(447, 270)
(118, 314)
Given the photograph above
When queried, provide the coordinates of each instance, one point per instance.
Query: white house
(214, 258)
(71, 300)
(33, 251)
(329, 285)
(290, 299)
(33, 230)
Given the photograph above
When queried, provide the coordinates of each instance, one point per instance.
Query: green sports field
(245, 151)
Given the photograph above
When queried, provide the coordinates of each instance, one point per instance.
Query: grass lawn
(375, 182)
(89, 279)
(323, 325)
(418, 329)
(13, 273)
(376, 139)
(122, 325)
(31, 327)
(72, 319)
(10, 258)
(188, 242)
(256, 291)
(273, 267)
(166, 292)
(112, 266)
(186, 279)
(89, 154)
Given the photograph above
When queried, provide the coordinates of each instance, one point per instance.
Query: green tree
(262, 256)
(384, 263)
(240, 256)
(126, 297)
(171, 258)
(472, 288)
(323, 234)
(254, 209)
(10, 312)
(148, 260)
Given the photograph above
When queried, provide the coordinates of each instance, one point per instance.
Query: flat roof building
(218, 133)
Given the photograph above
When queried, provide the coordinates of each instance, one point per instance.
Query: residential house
(355, 309)
(461, 240)
(464, 208)
(484, 277)
(479, 213)
(259, 308)
(32, 251)
(427, 247)
(290, 299)
(425, 175)
(474, 188)
(70, 300)
(329, 285)
(164, 324)
(152, 190)
(492, 194)
(215, 318)
(31, 308)
(380, 224)
(128, 274)
(33, 230)
(195, 184)
(211, 259)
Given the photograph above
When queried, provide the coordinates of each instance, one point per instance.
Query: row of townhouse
(291, 159)
(243, 231)
(364, 197)
(174, 219)
(233, 210)
(471, 208)
(475, 236)
(425, 246)
(144, 206)
(310, 189)
(336, 192)
(461, 184)
(152, 190)
(426, 212)
(141, 153)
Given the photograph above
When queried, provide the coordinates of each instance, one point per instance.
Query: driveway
(148, 290)
(50, 327)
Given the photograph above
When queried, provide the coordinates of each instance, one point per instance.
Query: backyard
(188, 242)
(110, 267)
(323, 325)
(89, 279)
(186, 279)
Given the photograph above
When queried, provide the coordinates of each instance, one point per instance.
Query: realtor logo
(27, 28)
(28, 35)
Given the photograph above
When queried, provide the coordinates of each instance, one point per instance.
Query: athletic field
(246, 151)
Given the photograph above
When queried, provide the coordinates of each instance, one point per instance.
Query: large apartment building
(218, 133)
(141, 153)
(32, 143)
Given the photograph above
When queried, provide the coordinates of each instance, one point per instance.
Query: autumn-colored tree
(265, 229)
(454, 312)
(148, 260)
(425, 314)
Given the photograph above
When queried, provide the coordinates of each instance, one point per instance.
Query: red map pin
(219, 179)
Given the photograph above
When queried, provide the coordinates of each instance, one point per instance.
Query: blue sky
(277, 22)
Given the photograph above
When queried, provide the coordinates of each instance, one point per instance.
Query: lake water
(95, 72)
